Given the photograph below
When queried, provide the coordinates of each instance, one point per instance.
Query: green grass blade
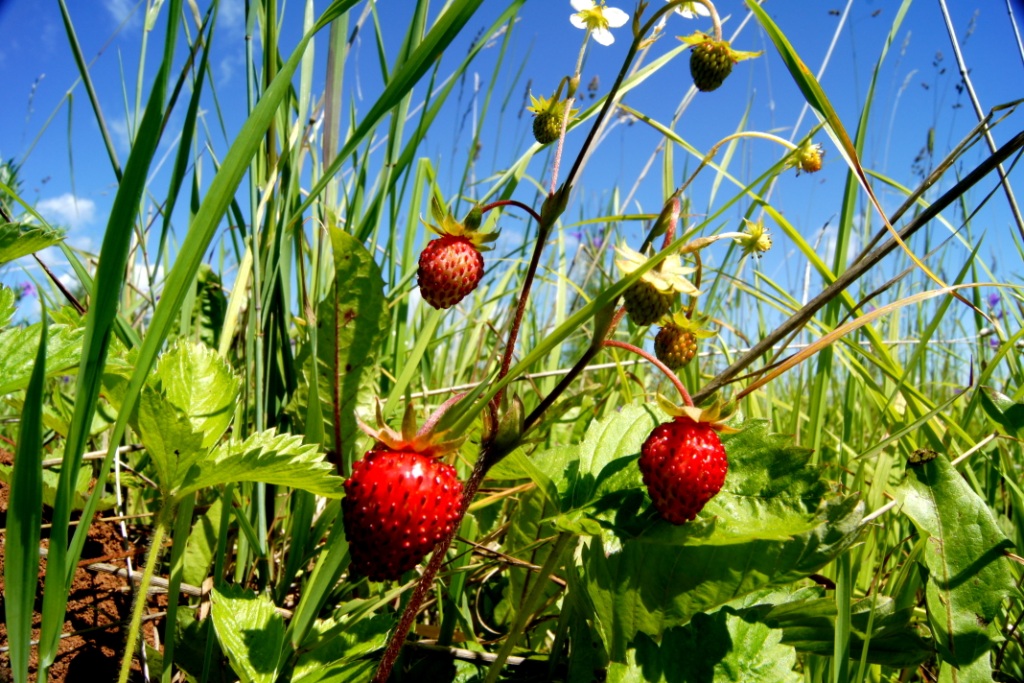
(99, 321)
(24, 519)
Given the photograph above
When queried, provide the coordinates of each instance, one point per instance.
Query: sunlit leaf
(250, 632)
(333, 649)
(21, 240)
(268, 457)
(7, 307)
(169, 437)
(63, 352)
(199, 383)
(1003, 410)
(969, 575)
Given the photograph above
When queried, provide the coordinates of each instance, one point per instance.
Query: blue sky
(73, 185)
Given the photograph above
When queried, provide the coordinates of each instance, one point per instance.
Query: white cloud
(68, 210)
(120, 9)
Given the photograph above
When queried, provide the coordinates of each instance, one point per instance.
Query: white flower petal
(576, 21)
(603, 36)
(692, 10)
(615, 17)
(582, 5)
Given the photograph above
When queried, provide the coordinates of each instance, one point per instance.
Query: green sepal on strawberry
(675, 345)
(451, 266)
(683, 462)
(711, 60)
(401, 499)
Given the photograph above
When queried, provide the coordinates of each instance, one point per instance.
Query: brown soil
(90, 652)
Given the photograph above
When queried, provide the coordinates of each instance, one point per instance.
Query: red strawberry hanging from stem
(451, 266)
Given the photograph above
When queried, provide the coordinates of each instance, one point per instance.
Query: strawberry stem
(511, 202)
(658, 364)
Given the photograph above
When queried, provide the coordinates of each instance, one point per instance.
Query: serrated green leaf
(268, 457)
(333, 648)
(19, 240)
(653, 584)
(721, 647)
(250, 633)
(169, 437)
(63, 353)
(969, 576)
(199, 383)
(1003, 410)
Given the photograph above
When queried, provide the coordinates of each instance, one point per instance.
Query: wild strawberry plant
(502, 482)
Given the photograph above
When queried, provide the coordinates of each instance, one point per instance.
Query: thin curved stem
(718, 145)
(511, 202)
(142, 590)
(529, 607)
(658, 364)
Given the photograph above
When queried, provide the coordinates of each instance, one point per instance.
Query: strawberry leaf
(969, 576)
(651, 585)
(268, 457)
(20, 240)
(199, 383)
(1004, 410)
(718, 647)
(63, 353)
(251, 633)
(334, 649)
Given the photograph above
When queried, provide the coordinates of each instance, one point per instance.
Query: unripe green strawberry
(674, 346)
(546, 127)
(651, 297)
(397, 506)
(711, 60)
(548, 113)
(450, 267)
(645, 304)
(710, 64)
(684, 466)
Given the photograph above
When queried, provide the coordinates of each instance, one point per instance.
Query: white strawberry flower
(597, 19)
(691, 10)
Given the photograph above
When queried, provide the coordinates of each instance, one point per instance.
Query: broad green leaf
(1003, 410)
(597, 466)
(350, 322)
(809, 626)
(333, 649)
(720, 647)
(7, 307)
(652, 583)
(969, 576)
(63, 352)
(169, 437)
(202, 542)
(250, 633)
(199, 383)
(21, 240)
(268, 457)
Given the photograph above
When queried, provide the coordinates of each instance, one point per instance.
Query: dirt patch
(99, 605)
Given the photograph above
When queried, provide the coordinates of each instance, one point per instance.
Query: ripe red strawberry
(397, 506)
(684, 465)
(450, 268)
